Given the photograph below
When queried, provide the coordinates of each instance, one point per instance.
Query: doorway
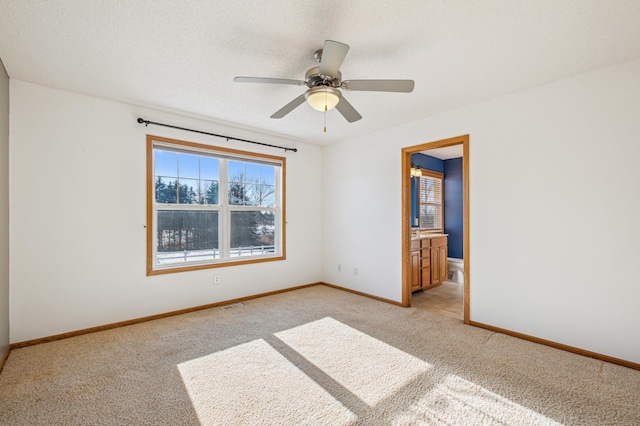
(406, 216)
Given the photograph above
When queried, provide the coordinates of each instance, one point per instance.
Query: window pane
(268, 175)
(253, 194)
(266, 228)
(188, 191)
(251, 184)
(270, 201)
(166, 163)
(235, 171)
(261, 195)
(431, 194)
(209, 168)
(187, 236)
(166, 191)
(428, 193)
(428, 215)
(252, 172)
(237, 194)
(208, 192)
(252, 233)
(189, 166)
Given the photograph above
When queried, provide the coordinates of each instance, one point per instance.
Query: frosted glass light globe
(318, 97)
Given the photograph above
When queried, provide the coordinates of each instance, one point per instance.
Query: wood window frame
(152, 267)
(440, 205)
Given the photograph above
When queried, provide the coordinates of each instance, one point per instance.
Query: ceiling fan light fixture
(319, 97)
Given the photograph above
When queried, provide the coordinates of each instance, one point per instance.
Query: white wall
(4, 210)
(78, 216)
(555, 236)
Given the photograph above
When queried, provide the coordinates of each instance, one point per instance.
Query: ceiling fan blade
(347, 110)
(401, 86)
(333, 53)
(269, 80)
(289, 107)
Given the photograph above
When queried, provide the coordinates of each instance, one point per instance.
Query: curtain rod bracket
(147, 122)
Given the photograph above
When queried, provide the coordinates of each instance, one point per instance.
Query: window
(209, 207)
(431, 205)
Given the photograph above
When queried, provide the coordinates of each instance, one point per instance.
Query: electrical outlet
(216, 279)
(339, 267)
(355, 271)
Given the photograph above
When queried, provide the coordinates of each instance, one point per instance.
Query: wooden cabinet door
(443, 263)
(438, 260)
(425, 273)
(415, 270)
(435, 266)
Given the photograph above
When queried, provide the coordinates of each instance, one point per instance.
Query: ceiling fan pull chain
(325, 119)
(325, 112)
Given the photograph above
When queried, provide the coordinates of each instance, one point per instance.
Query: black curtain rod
(147, 122)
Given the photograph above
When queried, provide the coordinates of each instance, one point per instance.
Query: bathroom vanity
(428, 261)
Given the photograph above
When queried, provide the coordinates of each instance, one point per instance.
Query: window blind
(430, 194)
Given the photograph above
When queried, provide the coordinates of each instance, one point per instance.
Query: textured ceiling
(183, 55)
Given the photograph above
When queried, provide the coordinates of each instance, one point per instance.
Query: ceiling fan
(325, 81)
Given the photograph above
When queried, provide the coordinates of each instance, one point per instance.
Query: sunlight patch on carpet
(457, 400)
(252, 383)
(369, 368)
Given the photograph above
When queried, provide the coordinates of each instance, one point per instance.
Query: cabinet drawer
(415, 244)
(439, 242)
(425, 242)
(425, 253)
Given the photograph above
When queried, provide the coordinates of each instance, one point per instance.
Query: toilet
(455, 269)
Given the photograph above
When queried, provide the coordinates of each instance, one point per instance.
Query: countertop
(422, 235)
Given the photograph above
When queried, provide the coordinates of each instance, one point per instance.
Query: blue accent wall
(453, 206)
(426, 162)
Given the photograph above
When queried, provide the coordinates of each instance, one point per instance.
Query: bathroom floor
(444, 300)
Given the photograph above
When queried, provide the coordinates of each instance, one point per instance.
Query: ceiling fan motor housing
(313, 78)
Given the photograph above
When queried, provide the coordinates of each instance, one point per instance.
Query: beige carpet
(313, 356)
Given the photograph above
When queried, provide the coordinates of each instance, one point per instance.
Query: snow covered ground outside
(200, 255)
